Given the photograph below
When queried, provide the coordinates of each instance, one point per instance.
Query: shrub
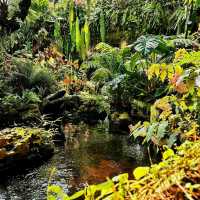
(27, 75)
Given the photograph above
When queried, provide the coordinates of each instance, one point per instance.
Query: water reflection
(88, 156)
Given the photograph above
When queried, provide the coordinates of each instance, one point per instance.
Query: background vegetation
(134, 62)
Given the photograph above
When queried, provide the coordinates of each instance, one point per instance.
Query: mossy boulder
(21, 146)
(22, 108)
(19, 114)
(76, 108)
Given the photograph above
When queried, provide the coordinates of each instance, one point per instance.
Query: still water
(88, 156)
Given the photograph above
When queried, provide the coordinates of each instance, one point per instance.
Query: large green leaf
(149, 43)
(151, 130)
(131, 65)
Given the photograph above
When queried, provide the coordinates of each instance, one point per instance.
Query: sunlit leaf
(168, 153)
(140, 172)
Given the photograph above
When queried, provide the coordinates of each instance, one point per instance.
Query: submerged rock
(24, 146)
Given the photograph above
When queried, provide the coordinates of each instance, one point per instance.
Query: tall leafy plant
(57, 34)
(102, 27)
(80, 35)
(87, 35)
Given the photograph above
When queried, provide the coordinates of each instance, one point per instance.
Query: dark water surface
(87, 157)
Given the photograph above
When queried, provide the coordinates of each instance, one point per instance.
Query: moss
(20, 142)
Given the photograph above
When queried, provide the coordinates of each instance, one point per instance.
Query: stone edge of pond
(24, 147)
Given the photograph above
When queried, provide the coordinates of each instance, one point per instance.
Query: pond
(87, 157)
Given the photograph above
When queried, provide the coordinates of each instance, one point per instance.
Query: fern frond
(102, 75)
(103, 47)
(162, 130)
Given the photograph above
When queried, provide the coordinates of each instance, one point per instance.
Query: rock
(56, 95)
(119, 122)
(22, 146)
(54, 107)
(55, 104)
(80, 109)
(75, 108)
(25, 113)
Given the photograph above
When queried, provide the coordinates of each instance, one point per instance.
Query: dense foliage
(134, 63)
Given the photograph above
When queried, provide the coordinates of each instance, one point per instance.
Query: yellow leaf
(157, 70)
(135, 186)
(150, 72)
(170, 72)
(42, 62)
(168, 153)
(191, 133)
(164, 66)
(163, 75)
(55, 188)
(154, 114)
(51, 61)
(180, 54)
(178, 69)
(183, 105)
(124, 116)
(140, 172)
(165, 114)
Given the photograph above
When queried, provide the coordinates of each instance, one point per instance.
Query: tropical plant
(27, 75)
(27, 97)
(148, 44)
(172, 114)
(40, 5)
(107, 60)
(154, 17)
